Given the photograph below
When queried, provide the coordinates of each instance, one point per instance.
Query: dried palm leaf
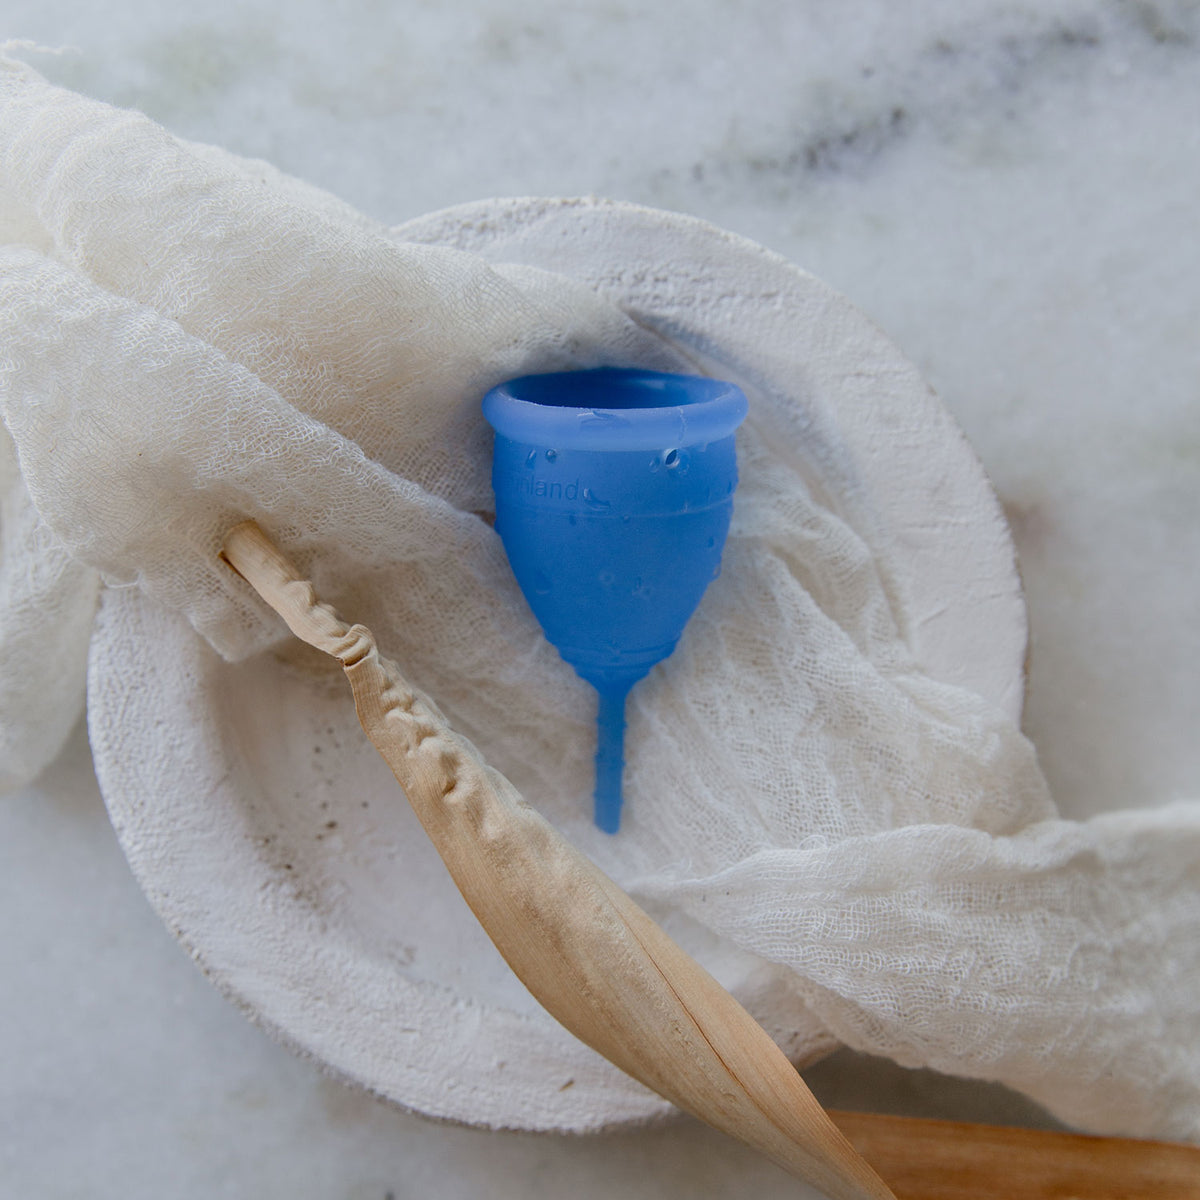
(582, 947)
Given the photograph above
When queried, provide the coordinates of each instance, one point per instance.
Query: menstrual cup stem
(610, 758)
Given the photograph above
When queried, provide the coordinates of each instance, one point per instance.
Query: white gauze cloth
(190, 339)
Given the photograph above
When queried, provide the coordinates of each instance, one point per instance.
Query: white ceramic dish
(288, 861)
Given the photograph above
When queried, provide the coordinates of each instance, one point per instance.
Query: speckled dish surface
(279, 849)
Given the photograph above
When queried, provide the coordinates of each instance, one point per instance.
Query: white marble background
(1009, 189)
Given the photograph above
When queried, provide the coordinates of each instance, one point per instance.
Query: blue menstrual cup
(614, 490)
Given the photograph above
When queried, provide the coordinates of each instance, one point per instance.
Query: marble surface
(1008, 189)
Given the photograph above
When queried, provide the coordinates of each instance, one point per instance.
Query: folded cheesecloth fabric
(188, 340)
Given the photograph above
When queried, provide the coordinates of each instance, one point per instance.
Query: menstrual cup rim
(716, 412)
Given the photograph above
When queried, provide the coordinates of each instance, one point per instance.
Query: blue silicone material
(614, 490)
